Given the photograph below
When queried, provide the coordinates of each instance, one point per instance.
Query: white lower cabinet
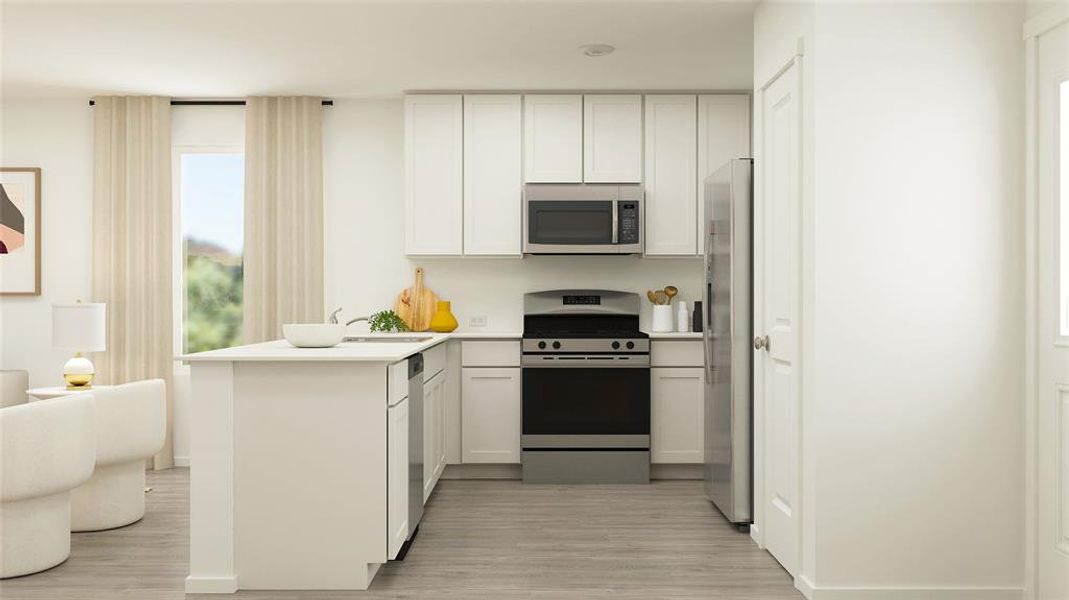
(397, 477)
(677, 415)
(491, 415)
(433, 432)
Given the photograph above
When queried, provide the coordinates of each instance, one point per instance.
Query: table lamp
(79, 327)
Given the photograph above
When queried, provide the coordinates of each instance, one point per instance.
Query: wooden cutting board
(416, 305)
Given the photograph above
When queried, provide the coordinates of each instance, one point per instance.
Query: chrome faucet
(333, 320)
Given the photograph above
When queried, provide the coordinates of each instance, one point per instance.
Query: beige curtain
(283, 215)
(132, 242)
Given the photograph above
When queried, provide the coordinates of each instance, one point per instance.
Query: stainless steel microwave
(576, 218)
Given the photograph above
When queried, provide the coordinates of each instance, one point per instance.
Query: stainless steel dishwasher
(415, 449)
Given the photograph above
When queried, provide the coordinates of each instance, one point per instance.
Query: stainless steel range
(586, 388)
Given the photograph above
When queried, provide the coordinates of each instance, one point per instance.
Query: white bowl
(314, 335)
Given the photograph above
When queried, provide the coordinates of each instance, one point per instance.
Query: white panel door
(612, 138)
(397, 477)
(677, 399)
(553, 138)
(777, 292)
(432, 433)
(434, 174)
(490, 415)
(723, 134)
(493, 181)
(671, 167)
(1052, 415)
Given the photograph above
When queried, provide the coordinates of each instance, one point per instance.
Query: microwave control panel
(628, 222)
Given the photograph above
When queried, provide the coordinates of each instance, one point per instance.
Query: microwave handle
(615, 222)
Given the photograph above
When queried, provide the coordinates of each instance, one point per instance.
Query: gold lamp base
(78, 373)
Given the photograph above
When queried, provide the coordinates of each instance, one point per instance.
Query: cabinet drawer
(497, 353)
(677, 353)
(396, 382)
(433, 361)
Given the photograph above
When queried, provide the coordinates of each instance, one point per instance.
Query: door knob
(761, 343)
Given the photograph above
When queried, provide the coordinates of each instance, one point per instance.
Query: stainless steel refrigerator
(727, 326)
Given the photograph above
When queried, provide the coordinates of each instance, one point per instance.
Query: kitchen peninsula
(288, 488)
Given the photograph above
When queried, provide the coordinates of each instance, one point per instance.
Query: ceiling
(367, 49)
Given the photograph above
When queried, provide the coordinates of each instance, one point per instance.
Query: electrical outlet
(477, 321)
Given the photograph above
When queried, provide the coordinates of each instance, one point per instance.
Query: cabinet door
(490, 415)
(434, 174)
(723, 134)
(397, 476)
(439, 422)
(492, 174)
(612, 138)
(677, 397)
(671, 167)
(553, 138)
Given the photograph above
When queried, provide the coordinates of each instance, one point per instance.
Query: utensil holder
(662, 318)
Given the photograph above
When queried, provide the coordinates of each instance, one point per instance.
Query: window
(211, 205)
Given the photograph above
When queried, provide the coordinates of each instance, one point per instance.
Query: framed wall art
(20, 231)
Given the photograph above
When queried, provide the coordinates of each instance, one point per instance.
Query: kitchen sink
(408, 339)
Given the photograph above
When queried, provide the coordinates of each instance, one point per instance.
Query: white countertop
(281, 350)
(675, 335)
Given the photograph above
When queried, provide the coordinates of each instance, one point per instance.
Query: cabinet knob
(761, 343)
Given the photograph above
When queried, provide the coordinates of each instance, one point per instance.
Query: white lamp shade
(80, 327)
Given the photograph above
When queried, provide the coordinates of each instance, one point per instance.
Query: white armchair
(13, 386)
(46, 449)
(130, 427)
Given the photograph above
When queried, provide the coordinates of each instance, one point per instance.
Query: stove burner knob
(630, 345)
(556, 345)
(541, 345)
(616, 345)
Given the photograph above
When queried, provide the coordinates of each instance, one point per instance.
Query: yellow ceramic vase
(443, 320)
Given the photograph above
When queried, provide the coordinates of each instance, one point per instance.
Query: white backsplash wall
(363, 143)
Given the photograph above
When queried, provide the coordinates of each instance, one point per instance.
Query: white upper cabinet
(492, 178)
(434, 173)
(612, 138)
(723, 134)
(671, 168)
(553, 138)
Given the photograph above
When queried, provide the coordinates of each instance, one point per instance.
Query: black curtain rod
(214, 103)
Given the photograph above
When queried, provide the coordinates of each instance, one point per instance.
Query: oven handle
(539, 361)
(615, 222)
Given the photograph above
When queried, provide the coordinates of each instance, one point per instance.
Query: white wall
(57, 136)
(917, 366)
(365, 264)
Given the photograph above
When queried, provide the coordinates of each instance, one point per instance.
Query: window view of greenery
(212, 195)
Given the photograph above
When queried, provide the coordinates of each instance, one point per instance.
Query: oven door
(577, 408)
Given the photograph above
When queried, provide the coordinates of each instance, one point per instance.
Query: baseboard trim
(812, 592)
(476, 471)
(515, 471)
(677, 471)
(181, 461)
(211, 585)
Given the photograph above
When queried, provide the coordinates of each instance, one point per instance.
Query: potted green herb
(386, 321)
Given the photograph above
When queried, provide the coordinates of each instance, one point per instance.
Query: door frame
(789, 55)
(1033, 28)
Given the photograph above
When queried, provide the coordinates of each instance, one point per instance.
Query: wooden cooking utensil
(416, 305)
(662, 298)
(651, 296)
(670, 291)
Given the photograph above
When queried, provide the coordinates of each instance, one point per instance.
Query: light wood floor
(479, 540)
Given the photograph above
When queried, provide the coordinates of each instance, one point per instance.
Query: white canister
(662, 318)
(682, 318)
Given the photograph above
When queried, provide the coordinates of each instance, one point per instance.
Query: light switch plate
(477, 321)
